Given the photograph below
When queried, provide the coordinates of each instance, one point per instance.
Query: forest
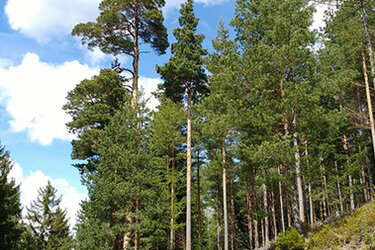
(267, 137)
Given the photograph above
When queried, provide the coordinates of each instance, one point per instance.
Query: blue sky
(40, 62)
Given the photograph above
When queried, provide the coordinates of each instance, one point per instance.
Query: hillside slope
(355, 231)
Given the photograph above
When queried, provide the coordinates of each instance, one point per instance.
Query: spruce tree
(184, 72)
(11, 227)
(47, 221)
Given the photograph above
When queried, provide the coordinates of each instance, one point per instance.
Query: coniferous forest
(254, 144)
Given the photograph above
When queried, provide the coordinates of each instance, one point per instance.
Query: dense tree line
(273, 129)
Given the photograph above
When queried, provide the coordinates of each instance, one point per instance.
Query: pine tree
(120, 28)
(47, 221)
(91, 104)
(11, 227)
(184, 72)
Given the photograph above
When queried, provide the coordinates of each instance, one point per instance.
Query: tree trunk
(311, 205)
(273, 215)
(255, 220)
(172, 230)
(127, 235)
(301, 208)
(249, 217)
(218, 227)
(134, 99)
(289, 212)
(188, 172)
(281, 202)
(371, 116)
(339, 189)
(369, 45)
(225, 212)
(322, 169)
(199, 203)
(137, 237)
(266, 219)
(232, 212)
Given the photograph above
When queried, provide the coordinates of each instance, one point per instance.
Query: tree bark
(339, 189)
(233, 223)
(301, 208)
(266, 219)
(134, 99)
(218, 227)
(199, 203)
(311, 205)
(281, 202)
(225, 212)
(188, 172)
(325, 205)
(255, 220)
(172, 230)
(273, 215)
(249, 217)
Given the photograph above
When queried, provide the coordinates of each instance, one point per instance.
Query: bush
(290, 240)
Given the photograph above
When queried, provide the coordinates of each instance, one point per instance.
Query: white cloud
(31, 183)
(149, 85)
(35, 92)
(44, 20)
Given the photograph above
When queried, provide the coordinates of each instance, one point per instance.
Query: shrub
(290, 240)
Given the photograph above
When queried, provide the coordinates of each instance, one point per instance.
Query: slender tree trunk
(249, 217)
(321, 211)
(199, 203)
(371, 116)
(273, 215)
(363, 182)
(281, 202)
(218, 227)
(188, 172)
(311, 205)
(297, 157)
(134, 99)
(255, 220)
(233, 223)
(368, 39)
(137, 238)
(322, 169)
(289, 212)
(263, 237)
(266, 219)
(339, 189)
(226, 245)
(172, 230)
(127, 235)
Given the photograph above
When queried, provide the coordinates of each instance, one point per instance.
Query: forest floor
(355, 231)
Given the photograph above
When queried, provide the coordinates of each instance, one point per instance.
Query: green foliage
(47, 222)
(121, 23)
(290, 240)
(11, 227)
(91, 104)
(186, 64)
(351, 230)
